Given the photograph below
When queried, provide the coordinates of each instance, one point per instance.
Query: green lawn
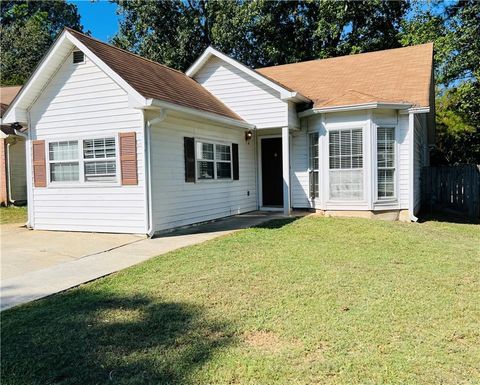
(13, 214)
(313, 301)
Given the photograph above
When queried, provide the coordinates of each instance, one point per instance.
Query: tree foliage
(259, 32)
(27, 29)
(455, 30)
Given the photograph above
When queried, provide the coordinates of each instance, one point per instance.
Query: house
(119, 143)
(13, 181)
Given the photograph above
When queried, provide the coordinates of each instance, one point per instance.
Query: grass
(13, 214)
(313, 301)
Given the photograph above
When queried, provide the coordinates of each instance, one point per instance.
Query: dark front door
(272, 179)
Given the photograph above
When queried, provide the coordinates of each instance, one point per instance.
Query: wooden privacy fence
(454, 189)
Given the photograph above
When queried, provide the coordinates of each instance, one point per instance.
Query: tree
(455, 30)
(27, 29)
(259, 32)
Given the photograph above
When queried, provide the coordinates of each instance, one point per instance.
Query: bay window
(214, 161)
(385, 162)
(346, 164)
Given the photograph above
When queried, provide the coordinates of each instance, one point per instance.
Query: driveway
(24, 251)
(36, 264)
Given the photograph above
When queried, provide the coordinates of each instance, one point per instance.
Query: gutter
(155, 103)
(353, 107)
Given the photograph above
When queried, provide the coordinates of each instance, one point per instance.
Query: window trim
(214, 160)
(340, 128)
(394, 198)
(81, 167)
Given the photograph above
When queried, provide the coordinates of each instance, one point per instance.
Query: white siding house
(82, 102)
(117, 143)
(177, 203)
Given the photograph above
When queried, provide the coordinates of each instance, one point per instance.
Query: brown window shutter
(236, 175)
(128, 158)
(39, 164)
(189, 155)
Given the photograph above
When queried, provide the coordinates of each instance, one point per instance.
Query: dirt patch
(267, 341)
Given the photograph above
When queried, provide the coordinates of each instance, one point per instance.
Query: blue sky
(98, 17)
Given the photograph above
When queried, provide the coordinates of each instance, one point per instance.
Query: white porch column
(286, 170)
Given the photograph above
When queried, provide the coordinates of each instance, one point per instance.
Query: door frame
(260, 176)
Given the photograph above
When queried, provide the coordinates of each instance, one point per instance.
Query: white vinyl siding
(82, 102)
(252, 100)
(403, 161)
(419, 156)
(300, 177)
(177, 203)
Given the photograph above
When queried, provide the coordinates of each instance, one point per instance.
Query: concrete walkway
(37, 283)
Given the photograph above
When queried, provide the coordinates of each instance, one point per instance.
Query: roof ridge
(344, 56)
(125, 51)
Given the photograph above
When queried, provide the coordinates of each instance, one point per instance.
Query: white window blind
(214, 161)
(63, 159)
(385, 162)
(346, 164)
(313, 165)
(99, 156)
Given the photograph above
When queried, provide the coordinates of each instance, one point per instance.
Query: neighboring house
(13, 181)
(119, 143)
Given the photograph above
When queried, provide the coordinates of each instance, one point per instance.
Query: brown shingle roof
(154, 80)
(7, 94)
(391, 76)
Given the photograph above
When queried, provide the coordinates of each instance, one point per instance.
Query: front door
(272, 179)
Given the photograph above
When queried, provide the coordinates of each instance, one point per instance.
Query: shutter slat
(39, 164)
(236, 175)
(128, 158)
(189, 156)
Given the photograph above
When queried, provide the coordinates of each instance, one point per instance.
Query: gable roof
(401, 75)
(153, 80)
(286, 93)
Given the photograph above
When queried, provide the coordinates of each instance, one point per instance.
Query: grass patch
(315, 301)
(13, 214)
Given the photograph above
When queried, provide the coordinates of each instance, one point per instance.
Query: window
(99, 162)
(385, 162)
(99, 159)
(313, 165)
(78, 57)
(63, 159)
(346, 164)
(214, 161)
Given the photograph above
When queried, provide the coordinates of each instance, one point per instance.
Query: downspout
(411, 166)
(148, 175)
(9, 179)
(28, 165)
